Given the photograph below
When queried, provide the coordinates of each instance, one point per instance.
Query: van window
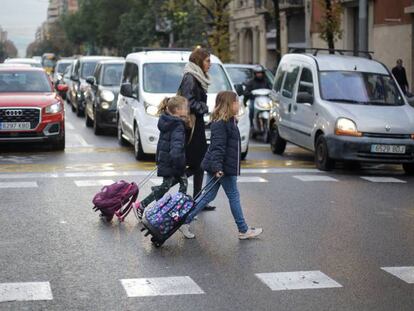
(279, 79)
(362, 88)
(290, 81)
(130, 75)
(306, 81)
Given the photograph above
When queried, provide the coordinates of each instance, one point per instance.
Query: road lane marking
(240, 179)
(314, 178)
(25, 291)
(93, 183)
(165, 286)
(383, 179)
(297, 280)
(23, 184)
(403, 273)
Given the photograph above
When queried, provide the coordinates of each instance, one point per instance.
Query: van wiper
(345, 100)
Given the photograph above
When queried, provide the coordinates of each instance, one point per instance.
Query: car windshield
(112, 74)
(62, 67)
(166, 78)
(240, 75)
(88, 69)
(48, 63)
(360, 88)
(24, 81)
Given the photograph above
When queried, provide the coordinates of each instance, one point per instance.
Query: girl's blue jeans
(229, 184)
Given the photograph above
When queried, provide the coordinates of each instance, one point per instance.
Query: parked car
(242, 73)
(82, 68)
(30, 110)
(60, 68)
(101, 98)
(66, 81)
(24, 61)
(150, 76)
(341, 108)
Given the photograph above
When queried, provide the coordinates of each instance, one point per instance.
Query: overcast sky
(20, 18)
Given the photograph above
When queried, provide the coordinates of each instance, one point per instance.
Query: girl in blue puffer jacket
(170, 156)
(222, 160)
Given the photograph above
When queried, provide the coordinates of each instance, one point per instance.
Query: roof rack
(148, 49)
(332, 51)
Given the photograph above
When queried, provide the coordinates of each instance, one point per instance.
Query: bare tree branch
(207, 9)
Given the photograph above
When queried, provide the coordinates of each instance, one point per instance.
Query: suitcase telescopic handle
(207, 188)
(147, 178)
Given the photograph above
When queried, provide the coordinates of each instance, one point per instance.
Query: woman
(194, 86)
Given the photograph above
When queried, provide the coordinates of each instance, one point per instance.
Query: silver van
(341, 108)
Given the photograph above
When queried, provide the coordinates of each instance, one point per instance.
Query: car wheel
(408, 168)
(97, 130)
(139, 152)
(277, 143)
(59, 145)
(244, 154)
(79, 112)
(88, 121)
(322, 160)
(121, 140)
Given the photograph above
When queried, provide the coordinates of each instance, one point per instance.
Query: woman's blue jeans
(229, 184)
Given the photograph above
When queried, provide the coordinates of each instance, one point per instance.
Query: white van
(150, 76)
(341, 108)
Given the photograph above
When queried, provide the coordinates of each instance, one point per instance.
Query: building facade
(252, 31)
(3, 35)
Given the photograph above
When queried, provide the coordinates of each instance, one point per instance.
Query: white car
(150, 76)
(24, 61)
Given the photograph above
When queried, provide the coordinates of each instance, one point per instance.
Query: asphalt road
(342, 240)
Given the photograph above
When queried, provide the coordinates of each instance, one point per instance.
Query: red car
(30, 109)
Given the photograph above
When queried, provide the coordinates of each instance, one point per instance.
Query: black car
(82, 68)
(101, 97)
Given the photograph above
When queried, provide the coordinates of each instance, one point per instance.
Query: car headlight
(151, 110)
(346, 127)
(54, 108)
(105, 105)
(107, 96)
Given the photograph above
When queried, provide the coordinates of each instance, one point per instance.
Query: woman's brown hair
(198, 56)
(171, 104)
(224, 102)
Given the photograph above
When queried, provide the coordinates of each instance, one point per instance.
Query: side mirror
(74, 78)
(62, 88)
(126, 90)
(91, 80)
(304, 98)
(239, 89)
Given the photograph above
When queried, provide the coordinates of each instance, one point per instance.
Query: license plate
(399, 149)
(208, 135)
(15, 126)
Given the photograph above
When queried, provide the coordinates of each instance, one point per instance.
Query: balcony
(262, 6)
(291, 4)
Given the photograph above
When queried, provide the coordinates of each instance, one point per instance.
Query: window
(290, 81)
(130, 75)
(97, 74)
(112, 74)
(279, 79)
(24, 81)
(88, 69)
(360, 88)
(306, 81)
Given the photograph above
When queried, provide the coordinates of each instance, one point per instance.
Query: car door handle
(290, 108)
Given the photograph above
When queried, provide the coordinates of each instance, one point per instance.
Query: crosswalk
(185, 285)
(9, 181)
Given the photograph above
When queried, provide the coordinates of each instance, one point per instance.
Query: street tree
(217, 20)
(276, 15)
(329, 26)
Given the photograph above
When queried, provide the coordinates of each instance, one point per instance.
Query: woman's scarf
(199, 74)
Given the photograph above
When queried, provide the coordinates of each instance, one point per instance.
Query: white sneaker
(185, 230)
(250, 233)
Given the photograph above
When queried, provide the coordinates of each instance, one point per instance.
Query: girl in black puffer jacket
(222, 160)
(170, 155)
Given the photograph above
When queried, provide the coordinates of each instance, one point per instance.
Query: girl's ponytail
(162, 108)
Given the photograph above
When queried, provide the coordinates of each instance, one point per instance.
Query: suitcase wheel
(156, 242)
